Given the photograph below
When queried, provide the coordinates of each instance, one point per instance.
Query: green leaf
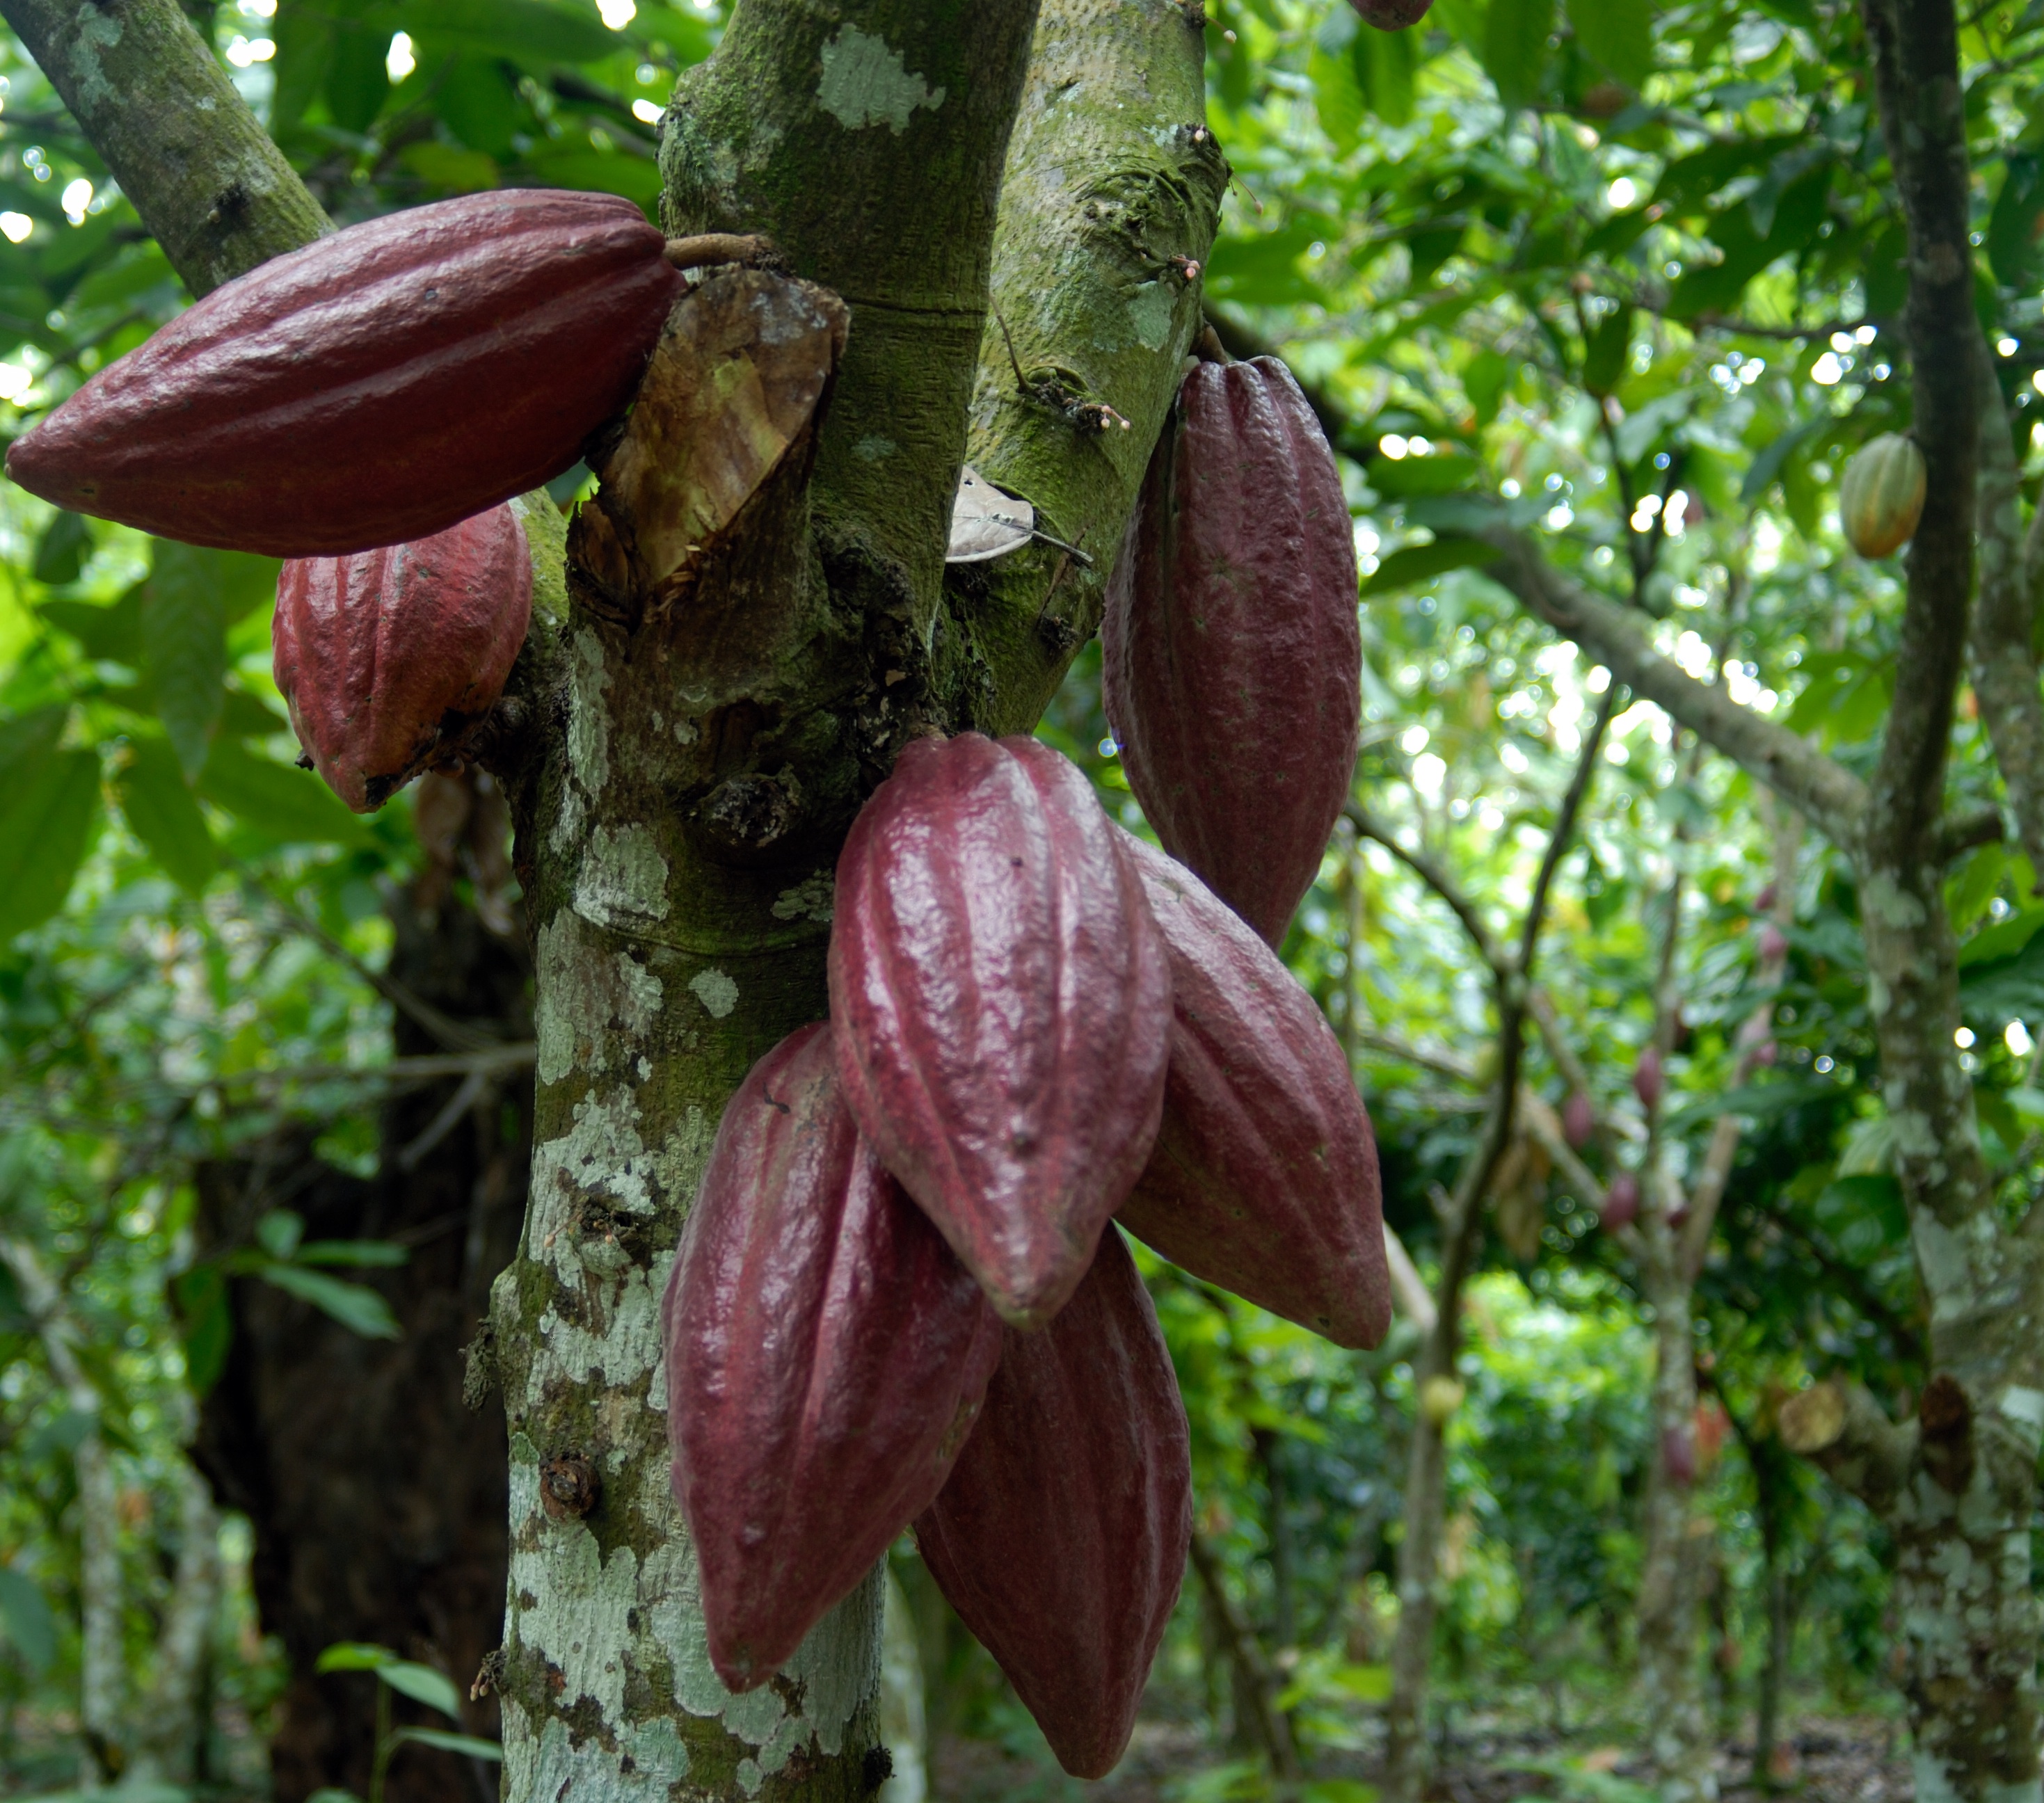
(61, 551)
(443, 166)
(2002, 940)
(198, 1298)
(26, 738)
(291, 806)
(164, 816)
(422, 1684)
(328, 1793)
(1420, 563)
(184, 647)
(1514, 48)
(359, 1310)
(354, 1655)
(1608, 352)
(1715, 288)
(26, 1621)
(469, 1744)
(2011, 226)
(530, 28)
(1484, 382)
(46, 824)
(1338, 96)
(1617, 33)
(353, 1252)
(1760, 476)
(1422, 475)
(109, 635)
(357, 83)
(279, 1231)
(1386, 64)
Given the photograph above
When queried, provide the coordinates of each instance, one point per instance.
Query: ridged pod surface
(1232, 661)
(1002, 1007)
(1264, 1179)
(826, 1358)
(1061, 1537)
(384, 655)
(376, 386)
(1881, 495)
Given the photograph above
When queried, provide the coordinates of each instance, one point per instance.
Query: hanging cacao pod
(1002, 1007)
(1232, 663)
(826, 1358)
(1061, 1536)
(1648, 1080)
(1881, 495)
(1579, 1119)
(1264, 1180)
(1391, 15)
(1621, 1201)
(376, 386)
(385, 656)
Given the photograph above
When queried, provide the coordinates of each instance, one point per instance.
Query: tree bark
(175, 1719)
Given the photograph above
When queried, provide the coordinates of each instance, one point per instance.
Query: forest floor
(1825, 1758)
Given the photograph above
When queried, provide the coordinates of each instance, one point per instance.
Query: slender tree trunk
(174, 1723)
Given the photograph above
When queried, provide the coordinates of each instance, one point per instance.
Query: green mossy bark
(203, 174)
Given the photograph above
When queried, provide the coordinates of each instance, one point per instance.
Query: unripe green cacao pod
(1232, 665)
(1264, 1180)
(377, 386)
(1880, 496)
(1002, 1007)
(826, 1358)
(385, 657)
(1061, 1536)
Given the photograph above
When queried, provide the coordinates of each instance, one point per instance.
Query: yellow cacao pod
(1880, 496)
(1439, 1398)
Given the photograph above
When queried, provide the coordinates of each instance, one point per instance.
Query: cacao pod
(376, 386)
(1391, 15)
(385, 656)
(1678, 1454)
(826, 1358)
(1621, 1201)
(1579, 1119)
(1881, 495)
(1439, 1398)
(1002, 1006)
(1773, 944)
(1264, 1180)
(1061, 1536)
(1232, 662)
(1648, 1082)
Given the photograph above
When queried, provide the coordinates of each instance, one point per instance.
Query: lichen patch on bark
(866, 82)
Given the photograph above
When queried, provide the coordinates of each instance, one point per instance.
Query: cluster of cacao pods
(901, 1299)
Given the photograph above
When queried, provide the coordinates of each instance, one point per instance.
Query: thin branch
(1559, 840)
(1409, 1288)
(1824, 790)
(1247, 1652)
(1430, 872)
(1390, 1045)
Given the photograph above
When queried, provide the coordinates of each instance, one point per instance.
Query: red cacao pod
(386, 655)
(1002, 1006)
(1265, 1177)
(376, 386)
(826, 1358)
(1774, 943)
(1579, 1119)
(1061, 1536)
(1621, 1201)
(1678, 1453)
(1232, 663)
(1647, 1079)
(1392, 15)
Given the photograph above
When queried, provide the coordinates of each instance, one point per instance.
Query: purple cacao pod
(1264, 1179)
(1678, 1454)
(385, 656)
(826, 1358)
(1002, 1005)
(1773, 944)
(1579, 1119)
(1392, 15)
(1061, 1537)
(1231, 661)
(1648, 1082)
(1621, 1201)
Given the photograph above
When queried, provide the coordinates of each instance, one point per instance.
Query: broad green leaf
(198, 1298)
(2012, 226)
(1420, 563)
(353, 1252)
(1761, 474)
(1619, 34)
(481, 107)
(1422, 475)
(61, 551)
(1715, 288)
(443, 166)
(359, 1310)
(184, 647)
(1608, 352)
(109, 635)
(528, 28)
(279, 1232)
(470, 1745)
(25, 1621)
(357, 83)
(1514, 48)
(47, 818)
(353, 1655)
(304, 34)
(422, 1684)
(2002, 940)
(27, 739)
(1338, 97)
(1386, 64)
(164, 814)
(289, 805)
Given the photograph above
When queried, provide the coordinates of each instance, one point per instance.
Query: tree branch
(1839, 1426)
(213, 188)
(1430, 872)
(1247, 1652)
(1829, 794)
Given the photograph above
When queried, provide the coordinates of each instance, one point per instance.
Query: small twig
(707, 247)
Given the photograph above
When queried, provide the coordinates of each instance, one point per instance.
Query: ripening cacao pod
(1881, 495)
(1232, 663)
(1648, 1082)
(1391, 15)
(1773, 944)
(1264, 1180)
(376, 386)
(386, 656)
(1621, 1201)
(1439, 1398)
(1678, 1453)
(1061, 1536)
(1579, 1119)
(1002, 1007)
(826, 1358)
